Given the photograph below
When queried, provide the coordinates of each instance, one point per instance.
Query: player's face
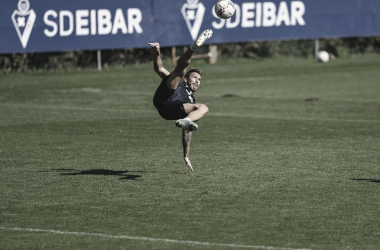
(193, 81)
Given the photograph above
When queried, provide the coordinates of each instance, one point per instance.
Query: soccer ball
(323, 56)
(224, 9)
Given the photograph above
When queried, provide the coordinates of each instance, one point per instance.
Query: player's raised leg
(185, 59)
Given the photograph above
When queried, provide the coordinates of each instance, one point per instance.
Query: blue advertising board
(52, 25)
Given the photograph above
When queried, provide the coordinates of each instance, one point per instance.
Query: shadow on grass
(124, 175)
(368, 180)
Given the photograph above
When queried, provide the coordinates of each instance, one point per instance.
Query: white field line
(145, 238)
(209, 114)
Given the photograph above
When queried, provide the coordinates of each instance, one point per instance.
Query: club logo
(193, 12)
(24, 19)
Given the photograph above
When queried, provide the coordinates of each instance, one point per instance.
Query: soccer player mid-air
(174, 99)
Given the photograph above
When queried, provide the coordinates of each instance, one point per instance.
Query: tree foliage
(78, 60)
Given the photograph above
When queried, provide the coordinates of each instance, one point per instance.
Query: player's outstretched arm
(186, 139)
(157, 63)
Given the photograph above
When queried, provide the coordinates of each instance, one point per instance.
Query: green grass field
(287, 158)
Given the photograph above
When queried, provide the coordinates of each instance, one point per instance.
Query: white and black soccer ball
(224, 9)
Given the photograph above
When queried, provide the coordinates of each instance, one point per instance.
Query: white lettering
(119, 22)
(269, 14)
(134, 20)
(104, 22)
(81, 22)
(264, 14)
(50, 23)
(247, 14)
(93, 22)
(298, 10)
(69, 15)
(258, 14)
(283, 14)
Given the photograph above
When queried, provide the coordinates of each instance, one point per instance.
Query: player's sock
(203, 37)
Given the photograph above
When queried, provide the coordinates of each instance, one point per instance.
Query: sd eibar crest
(24, 19)
(193, 11)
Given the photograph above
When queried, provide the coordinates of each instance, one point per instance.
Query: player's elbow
(162, 72)
(158, 70)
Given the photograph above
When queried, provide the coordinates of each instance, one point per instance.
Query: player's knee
(203, 108)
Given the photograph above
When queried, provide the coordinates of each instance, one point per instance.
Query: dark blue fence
(52, 25)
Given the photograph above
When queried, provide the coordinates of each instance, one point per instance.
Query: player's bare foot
(188, 163)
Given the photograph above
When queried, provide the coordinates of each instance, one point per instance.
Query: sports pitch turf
(287, 158)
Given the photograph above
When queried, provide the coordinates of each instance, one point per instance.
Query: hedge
(79, 60)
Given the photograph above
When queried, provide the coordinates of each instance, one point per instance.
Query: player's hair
(191, 71)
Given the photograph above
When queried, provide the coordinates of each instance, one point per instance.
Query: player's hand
(188, 163)
(155, 46)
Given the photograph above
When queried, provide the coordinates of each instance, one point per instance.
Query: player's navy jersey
(165, 95)
(183, 94)
(169, 102)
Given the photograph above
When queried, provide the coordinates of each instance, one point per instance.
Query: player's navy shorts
(168, 108)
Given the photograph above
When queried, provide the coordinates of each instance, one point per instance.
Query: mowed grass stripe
(206, 95)
(151, 112)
